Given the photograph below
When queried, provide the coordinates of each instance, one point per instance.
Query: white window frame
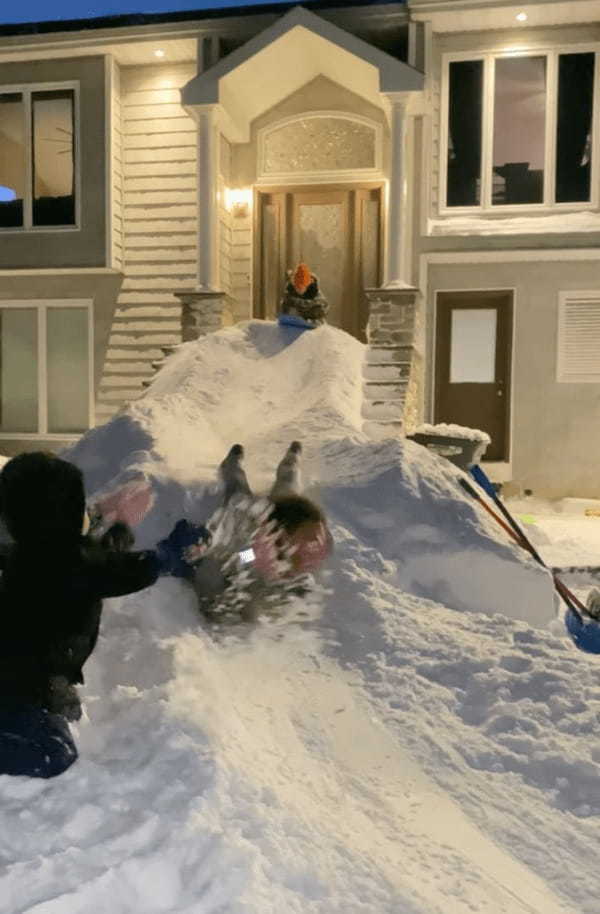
(485, 207)
(26, 91)
(42, 306)
(563, 299)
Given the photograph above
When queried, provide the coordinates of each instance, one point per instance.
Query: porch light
(521, 17)
(238, 200)
(159, 52)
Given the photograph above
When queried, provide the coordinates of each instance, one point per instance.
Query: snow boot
(287, 477)
(233, 475)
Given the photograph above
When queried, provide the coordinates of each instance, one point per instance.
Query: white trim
(42, 306)
(549, 204)
(63, 271)
(26, 90)
(42, 372)
(33, 436)
(508, 256)
(563, 299)
(305, 177)
(507, 464)
(108, 159)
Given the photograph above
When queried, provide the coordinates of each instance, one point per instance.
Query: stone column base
(393, 369)
(202, 312)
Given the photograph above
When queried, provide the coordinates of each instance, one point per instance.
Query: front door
(336, 231)
(473, 364)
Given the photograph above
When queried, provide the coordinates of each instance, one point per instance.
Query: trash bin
(464, 447)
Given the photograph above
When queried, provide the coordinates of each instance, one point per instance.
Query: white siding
(116, 168)
(154, 176)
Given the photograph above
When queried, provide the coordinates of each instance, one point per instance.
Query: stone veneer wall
(393, 367)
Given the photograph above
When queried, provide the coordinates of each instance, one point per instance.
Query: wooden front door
(473, 357)
(336, 231)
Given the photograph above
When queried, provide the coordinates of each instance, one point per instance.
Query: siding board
(155, 224)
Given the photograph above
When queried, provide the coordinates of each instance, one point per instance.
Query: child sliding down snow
(262, 550)
(53, 582)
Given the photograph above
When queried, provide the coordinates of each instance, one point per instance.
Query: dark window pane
(464, 133)
(574, 127)
(18, 370)
(519, 130)
(53, 158)
(12, 160)
(68, 369)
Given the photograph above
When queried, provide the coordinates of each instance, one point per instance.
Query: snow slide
(264, 385)
(390, 756)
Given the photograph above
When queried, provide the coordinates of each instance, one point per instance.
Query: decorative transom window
(578, 358)
(326, 144)
(38, 173)
(518, 130)
(45, 368)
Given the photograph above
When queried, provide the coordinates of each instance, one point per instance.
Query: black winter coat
(50, 607)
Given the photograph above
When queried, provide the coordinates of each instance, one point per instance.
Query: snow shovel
(583, 628)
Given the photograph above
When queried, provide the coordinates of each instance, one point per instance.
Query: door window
(473, 346)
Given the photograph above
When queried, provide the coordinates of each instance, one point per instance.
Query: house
(434, 162)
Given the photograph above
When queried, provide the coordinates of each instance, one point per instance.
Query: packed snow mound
(263, 385)
(392, 756)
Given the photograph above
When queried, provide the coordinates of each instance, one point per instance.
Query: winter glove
(64, 699)
(185, 545)
(585, 634)
(118, 538)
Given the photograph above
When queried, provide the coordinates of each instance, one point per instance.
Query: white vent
(578, 358)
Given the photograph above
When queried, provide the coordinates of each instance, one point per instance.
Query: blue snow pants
(35, 742)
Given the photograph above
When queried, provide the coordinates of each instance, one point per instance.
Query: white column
(395, 272)
(207, 198)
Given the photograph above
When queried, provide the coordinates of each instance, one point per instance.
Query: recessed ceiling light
(522, 17)
(161, 53)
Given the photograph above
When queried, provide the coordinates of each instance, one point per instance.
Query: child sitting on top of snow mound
(54, 578)
(262, 551)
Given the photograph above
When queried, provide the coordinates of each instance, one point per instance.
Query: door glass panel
(321, 246)
(473, 346)
(370, 244)
(53, 158)
(67, 365)
(12, 160)
(519, 130)
(18, 370)
(272, 279)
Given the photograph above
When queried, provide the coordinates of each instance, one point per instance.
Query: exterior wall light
(159, 52)
(238, 200)
(521, 17)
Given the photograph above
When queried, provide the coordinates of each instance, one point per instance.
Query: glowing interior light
(522, 17)
(7, 194)
(238, 199)
(159, 53)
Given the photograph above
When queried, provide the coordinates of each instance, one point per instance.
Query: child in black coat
(53, 582)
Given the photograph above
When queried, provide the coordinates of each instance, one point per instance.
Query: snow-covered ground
(426, 744)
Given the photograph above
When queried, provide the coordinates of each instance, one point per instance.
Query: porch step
(379, 430)
(387, 410)
(386, 390)
(384, 355)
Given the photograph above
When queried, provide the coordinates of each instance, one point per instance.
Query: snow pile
(454, 431)
(583, 221)
(264, 385)
(394, 756)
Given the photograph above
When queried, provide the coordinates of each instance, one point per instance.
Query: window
(519, 130)
(579, 337)
(37, 157)
(45, 368)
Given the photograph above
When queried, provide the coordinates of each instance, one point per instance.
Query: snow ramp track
(265, 385)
